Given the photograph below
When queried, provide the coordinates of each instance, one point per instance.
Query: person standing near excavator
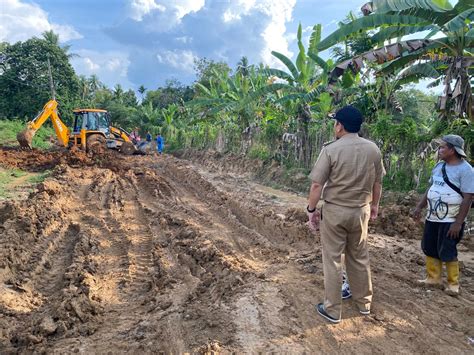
(160, 143)
(448, 199)
(348, 175)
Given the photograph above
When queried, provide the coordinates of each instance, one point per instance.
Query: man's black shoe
(322, 312)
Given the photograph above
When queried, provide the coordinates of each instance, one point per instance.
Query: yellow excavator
(91, 131)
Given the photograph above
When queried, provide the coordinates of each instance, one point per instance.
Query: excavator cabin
(88, 122)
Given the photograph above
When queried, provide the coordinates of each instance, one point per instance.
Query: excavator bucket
(128, 148)
(25, 137)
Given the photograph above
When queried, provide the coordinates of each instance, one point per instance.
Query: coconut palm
(141, 91)
(53, 39)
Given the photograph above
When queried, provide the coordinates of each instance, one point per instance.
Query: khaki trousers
(344, 230)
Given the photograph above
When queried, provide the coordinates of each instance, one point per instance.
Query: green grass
(39, 177)
(8, 179)
(10, 128)
(259, 151)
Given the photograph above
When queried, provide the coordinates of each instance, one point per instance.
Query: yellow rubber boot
(452, 269)
(434, 268)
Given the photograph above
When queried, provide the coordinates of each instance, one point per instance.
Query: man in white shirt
(448, 200)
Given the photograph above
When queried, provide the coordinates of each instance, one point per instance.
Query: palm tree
(235, 101)
(243, 67)
(447, 58)
(141, 91)
(53, 39)
(118, 93)
(94, 83)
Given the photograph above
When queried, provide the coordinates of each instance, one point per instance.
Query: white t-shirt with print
(443, 201)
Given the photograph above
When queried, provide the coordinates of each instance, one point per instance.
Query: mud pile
(395, 217)
(152, 254)
(43, 270)
(36, 160)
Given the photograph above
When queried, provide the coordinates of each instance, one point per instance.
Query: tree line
(284, 114)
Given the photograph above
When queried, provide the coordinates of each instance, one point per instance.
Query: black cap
(350, 117)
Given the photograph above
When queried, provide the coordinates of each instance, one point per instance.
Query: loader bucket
(25, 137)
(128, 148)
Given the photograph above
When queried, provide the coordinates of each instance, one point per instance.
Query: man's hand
(374, 212)
(416, 213)
(454, 230)
(313, 220)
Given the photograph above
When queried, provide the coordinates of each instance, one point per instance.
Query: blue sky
(135, 42)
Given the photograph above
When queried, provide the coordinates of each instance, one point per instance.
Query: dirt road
(147, 254)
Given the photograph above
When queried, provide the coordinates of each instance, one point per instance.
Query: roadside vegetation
(283, 115)
(15, 181)
(10, 128)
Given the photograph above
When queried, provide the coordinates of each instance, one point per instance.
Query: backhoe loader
(91, 131)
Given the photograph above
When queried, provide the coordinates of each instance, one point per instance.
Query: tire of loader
(127, 148)
(96, 144)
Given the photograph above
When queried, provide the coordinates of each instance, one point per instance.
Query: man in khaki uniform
(348, 175)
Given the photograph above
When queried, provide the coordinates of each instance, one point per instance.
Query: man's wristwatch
(310, 211)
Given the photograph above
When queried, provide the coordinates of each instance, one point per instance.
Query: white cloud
(139, 8)
(90, 65)
(179, 8)
(179, 59)
(184, 39)
(279, 12)
(110, 66)
(169, 38)
(20, 21)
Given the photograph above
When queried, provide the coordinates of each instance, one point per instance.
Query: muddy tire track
(49, 279)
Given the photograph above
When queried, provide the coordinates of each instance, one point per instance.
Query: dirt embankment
(149, 254)
(268, 172)
(394, 215)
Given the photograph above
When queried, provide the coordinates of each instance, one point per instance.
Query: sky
(147, 42)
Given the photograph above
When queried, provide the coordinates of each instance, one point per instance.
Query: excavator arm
(119, 132)
(25, 137)
(127, 147)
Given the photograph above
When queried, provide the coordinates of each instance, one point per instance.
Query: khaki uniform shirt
(348, 168)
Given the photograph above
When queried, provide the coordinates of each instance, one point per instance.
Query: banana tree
(447, 57)
(148, 117)
(304, 86)
(169, 129)
(233, 100)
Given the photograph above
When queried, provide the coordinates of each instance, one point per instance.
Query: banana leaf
(369, 22)
(289, 64)
(399, 31)
(318, 60)
(384, 6)
(460, 21)
(279, 74)
(314, 39)
(425, 70)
